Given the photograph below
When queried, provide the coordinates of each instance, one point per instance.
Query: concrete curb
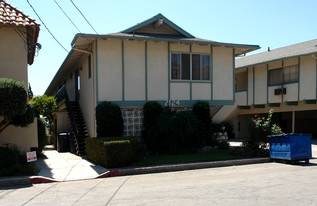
(13, 181)
(190, 166)
(27, 180)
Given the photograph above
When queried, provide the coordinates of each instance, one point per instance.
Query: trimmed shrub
(173, 132)
(13, 104)
(25, 119)
(110, 152)
(8, 157)
(41, 135)
(152, 112)
(12, 162)
(109, 120)
(202, 112)
(13, 97)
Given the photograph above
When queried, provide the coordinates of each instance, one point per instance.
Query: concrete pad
(67, 166)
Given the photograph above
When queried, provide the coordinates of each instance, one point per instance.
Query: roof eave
(251, 47)
(274, 60)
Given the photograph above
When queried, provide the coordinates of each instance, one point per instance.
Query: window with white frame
(284, 75)
(190, 66)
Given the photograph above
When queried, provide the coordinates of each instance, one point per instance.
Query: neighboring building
(18, 38)
(283, 79)
(153, 61)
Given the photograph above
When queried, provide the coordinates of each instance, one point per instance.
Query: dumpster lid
(289, 134)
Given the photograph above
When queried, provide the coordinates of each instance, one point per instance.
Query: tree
(14, 108)
(30, 92)
(45, 106)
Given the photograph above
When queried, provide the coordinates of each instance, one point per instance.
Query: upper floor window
(190, 66)
(284, 75)
(241, 81)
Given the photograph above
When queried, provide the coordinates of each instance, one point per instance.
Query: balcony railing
(61, 95)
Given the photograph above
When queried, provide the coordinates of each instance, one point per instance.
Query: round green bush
(13, 96)
(109, 120)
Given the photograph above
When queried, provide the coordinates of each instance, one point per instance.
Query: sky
(269, 23)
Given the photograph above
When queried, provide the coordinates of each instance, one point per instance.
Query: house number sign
(171, 102)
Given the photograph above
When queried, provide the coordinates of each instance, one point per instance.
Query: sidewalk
(59, 167)
(67, 166)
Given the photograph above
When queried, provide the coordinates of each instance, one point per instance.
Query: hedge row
(111, 151)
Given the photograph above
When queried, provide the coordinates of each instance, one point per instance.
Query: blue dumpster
(291, 147)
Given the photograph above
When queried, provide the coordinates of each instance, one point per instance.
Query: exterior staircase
(79, 130)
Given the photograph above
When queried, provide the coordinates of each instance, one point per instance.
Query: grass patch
(216, 155)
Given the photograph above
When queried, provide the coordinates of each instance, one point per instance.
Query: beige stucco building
(283, 79)
(153, 61)
(18, 38)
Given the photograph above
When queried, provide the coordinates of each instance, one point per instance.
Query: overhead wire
(84, 17)
(46, 26)
(67, 16)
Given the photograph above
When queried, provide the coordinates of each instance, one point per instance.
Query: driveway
(257, 184)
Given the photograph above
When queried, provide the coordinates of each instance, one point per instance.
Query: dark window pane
(241, 81)
(176, 59)
(205, 62)
(276, 76)
(291, 74)
(186, 66)
(196, 66)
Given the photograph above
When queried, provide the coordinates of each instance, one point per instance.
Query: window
(276, 76)
(284, 75)
(291, 74)
(190, 66)
(241, 81)
(89, 66)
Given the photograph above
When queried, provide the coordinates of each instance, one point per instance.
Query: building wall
(86, 100)
(13, 64)
(13, 55)
(157, 70)
(22, 137)
(259, 93)
(109, 71)
(131, 72)
(307, 79)
(223, 76)
(305, 89)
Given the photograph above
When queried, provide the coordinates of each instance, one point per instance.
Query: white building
(283, 79)
(153, 61)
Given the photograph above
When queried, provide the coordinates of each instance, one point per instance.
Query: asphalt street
(257, 184)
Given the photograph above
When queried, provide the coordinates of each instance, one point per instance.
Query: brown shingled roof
(11, 16)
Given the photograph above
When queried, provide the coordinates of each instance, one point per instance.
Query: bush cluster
(111, 152)
(12, 162)
(109, 120)
(168, 131)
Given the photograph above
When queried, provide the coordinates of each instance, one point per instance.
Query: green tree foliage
(30, 92)
(13, 104)
(41, 134)
(45, 106)
(260, 128)
(109, 120)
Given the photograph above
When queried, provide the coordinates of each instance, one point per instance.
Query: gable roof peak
(158, 24)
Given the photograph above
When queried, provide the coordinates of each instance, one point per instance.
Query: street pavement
(256, 184)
